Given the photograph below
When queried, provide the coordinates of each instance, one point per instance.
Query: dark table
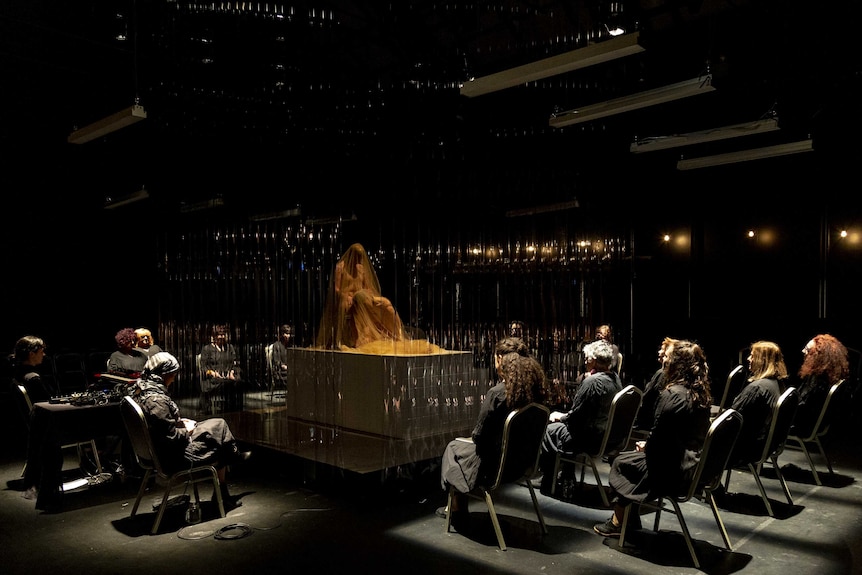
(53, 425)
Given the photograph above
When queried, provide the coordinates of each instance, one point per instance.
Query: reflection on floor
(264, 422)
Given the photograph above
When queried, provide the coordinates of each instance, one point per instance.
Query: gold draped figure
(357, 317)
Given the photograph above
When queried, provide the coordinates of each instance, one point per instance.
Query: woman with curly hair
(663, 464)
(126, 360)
(825, 364)
(467, 463)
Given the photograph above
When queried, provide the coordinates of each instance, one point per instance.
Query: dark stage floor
(303, 517)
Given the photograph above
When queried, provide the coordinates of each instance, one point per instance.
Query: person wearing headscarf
(180, 442)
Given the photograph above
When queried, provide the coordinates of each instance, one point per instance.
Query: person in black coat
(178, 441)
(468, 462)
(221, 372)
(28, 356)
(825, 364)
(665, 462)
(581, 428)
(756, 402)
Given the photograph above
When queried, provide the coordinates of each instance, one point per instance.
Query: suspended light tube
(713, 135)
(612, 49)
(693, 87)
(746, 155)
(112, 203)
(121, 119)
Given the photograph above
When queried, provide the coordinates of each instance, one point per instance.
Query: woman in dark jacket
(467, 463)
(665, 462)
(756, 402)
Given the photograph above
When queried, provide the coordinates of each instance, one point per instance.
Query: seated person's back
(126, 360)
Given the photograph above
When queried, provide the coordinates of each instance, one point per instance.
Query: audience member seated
(180, 442)
(29, 354)
(280, 360)
(646, 414)
(825, 363)
(126, 361)
(756, 401)
(604, 332)
(663, 464)
(582, 427)
(145, 342)
(221, 372)
(466, 464)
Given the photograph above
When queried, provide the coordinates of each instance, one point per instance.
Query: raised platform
(364, 412)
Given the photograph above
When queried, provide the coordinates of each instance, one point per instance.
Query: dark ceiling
(275, 99)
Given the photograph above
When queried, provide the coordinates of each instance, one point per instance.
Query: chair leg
(714, 506)
(217, 491)
(161, 511)
(449, 499)
(823, 454)
(96, 456)
(810, 462)
(495, 520)
(601, 487)
(685, 532)
(781, 479)
(763, 496)
(536, 507)
(141, 490)
(626, 514)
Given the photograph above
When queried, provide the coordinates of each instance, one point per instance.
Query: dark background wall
(76, 277)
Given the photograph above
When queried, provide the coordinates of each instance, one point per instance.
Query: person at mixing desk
(221, 376)
(126, 361)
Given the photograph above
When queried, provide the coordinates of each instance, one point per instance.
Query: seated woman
(665, 462)
(126, 360)
(358, 317)
(464, 464)
(756, 402)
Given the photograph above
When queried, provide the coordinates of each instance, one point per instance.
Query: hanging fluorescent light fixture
(799, 147)
(612, 49)
(713, 135)
(686, 89)
(112, 123)
(111, 203)
(215, 202)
